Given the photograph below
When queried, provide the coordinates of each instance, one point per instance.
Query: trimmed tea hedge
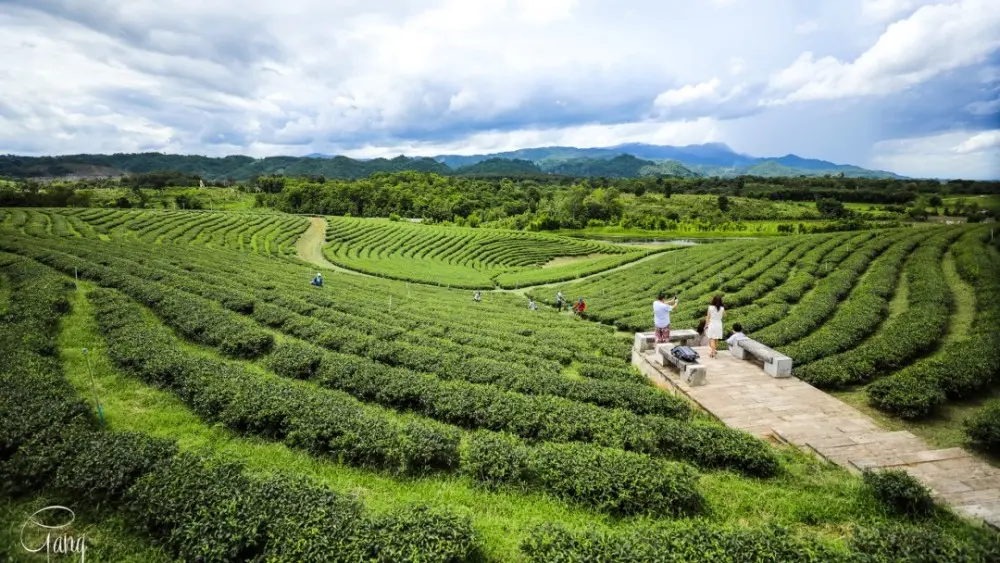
(326, 422)
(198, 508)
(900, 492)
(960, 368)
(609, 480)
(983, 428)
(702, 542)
(696, 542)
(913, 332)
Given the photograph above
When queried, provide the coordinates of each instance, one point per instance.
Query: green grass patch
(965, 302)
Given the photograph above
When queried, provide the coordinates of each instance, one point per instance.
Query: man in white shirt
(661, 316)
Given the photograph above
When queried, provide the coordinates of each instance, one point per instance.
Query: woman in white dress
(713, 318)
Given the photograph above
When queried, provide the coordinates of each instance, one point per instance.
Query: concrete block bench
(646, 341)
(693, 374)
(776, 364)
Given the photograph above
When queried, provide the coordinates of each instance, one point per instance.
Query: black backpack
(684, 353)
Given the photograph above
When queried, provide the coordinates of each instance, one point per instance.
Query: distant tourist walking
(714, 319)
(661, 316)
(477, 297)
(318, 280)
(531, 304)
(560, 301)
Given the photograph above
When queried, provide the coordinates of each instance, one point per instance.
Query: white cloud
(688, 93)
(979, 142)
(957, 154)
(806, 28)
(884, 10)
(697, 131)
(934, 40)
(387, 76)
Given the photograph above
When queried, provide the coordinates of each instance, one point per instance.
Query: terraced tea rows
(824, 301)
(267, 234)
(467, 258)
(517, 433)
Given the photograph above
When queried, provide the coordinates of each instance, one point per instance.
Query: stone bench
(646, 341)
(776, 364)
(692, 374)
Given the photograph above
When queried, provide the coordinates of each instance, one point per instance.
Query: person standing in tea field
(661, 316)
(531, 304)
(477, 297)
(560, 301)
(318, 280)
(714, 318)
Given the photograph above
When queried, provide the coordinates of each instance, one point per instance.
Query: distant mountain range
(622, 161)
(710, 159)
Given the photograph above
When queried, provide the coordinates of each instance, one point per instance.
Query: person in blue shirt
(318, 280)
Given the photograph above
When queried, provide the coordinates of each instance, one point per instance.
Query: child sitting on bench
(736, 336)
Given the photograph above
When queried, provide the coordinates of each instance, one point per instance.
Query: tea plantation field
(875, 308)
(248, 416)
(467, 257)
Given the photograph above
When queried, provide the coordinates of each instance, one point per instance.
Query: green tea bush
(609, 480)
(495, 458)
(899, 492)
(899, 543)
(906, 395)
(295, 360)
(621, 483)
(899, 340)
(99, 467)
(421, 533)
(983, 428)
(962, 367)
(323, 421)
(696, 542)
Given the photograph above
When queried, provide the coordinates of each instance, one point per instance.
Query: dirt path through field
(310, 249)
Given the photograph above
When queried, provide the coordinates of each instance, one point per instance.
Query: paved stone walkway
(740, 394)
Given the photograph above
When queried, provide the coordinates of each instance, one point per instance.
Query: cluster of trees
(538, 202)
(34, 194)
(511, 203)
(167, 179)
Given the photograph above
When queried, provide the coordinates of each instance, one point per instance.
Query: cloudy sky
(904, 85)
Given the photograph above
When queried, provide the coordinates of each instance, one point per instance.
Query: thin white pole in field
(390, 302)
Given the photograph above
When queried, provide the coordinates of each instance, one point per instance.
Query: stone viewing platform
(785, 409)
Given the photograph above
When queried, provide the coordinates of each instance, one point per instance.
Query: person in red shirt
(579, 307)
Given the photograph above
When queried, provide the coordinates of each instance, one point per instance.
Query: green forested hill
(563, 161)
(230, 167)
